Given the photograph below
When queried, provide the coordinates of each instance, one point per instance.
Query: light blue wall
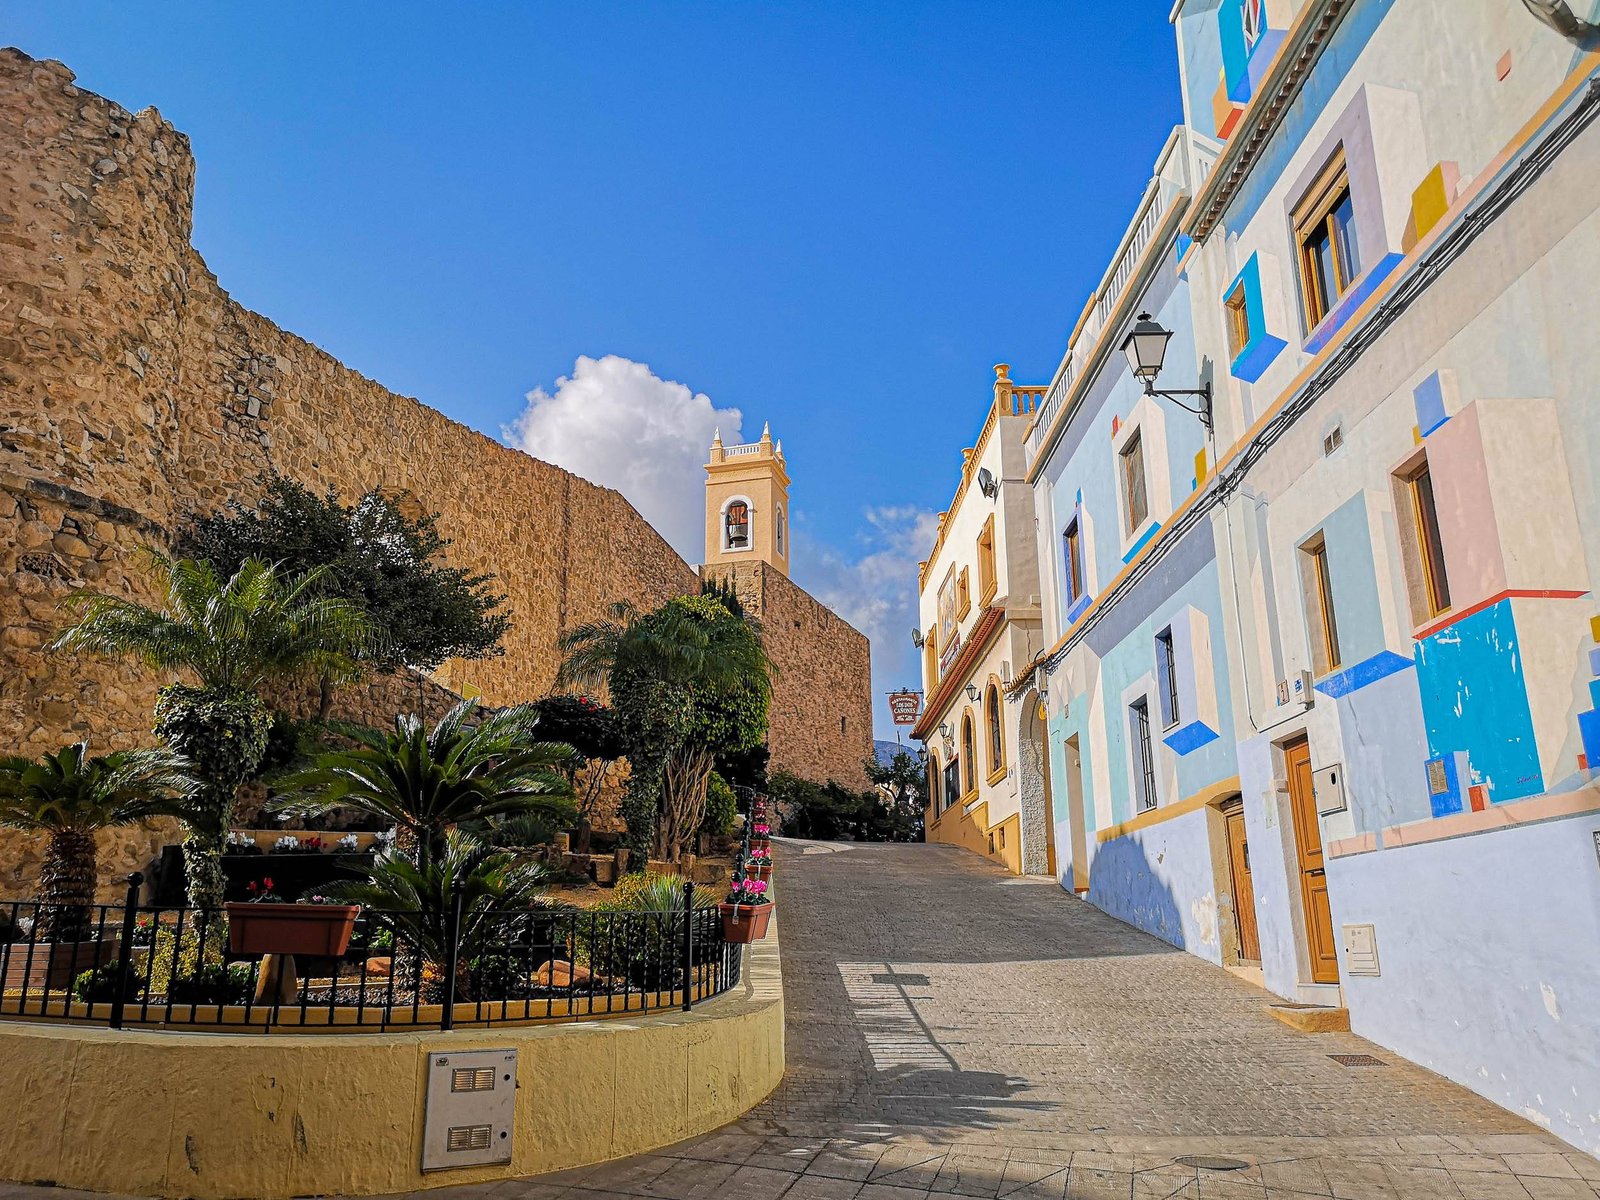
(1084, 461)
(1486, 948)
(1159, 879)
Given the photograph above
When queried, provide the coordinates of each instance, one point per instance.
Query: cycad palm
(69, 796)
(232, 635)
(424, 782)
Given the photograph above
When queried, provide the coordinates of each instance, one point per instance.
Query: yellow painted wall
(223, 1115)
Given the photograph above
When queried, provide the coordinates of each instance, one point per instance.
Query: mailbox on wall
(1328, 784)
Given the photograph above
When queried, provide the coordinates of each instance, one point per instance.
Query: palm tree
(426, 782)
(675, 675)
(69, 796)
(413, 899)
(232, 636)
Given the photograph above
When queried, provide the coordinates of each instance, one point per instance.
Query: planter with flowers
(746, 912)
(265, 924)
(760, 836)
(759, 865)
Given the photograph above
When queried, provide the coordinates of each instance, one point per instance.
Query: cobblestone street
(955, 1031)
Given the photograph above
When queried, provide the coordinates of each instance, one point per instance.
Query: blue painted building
(1321, 682)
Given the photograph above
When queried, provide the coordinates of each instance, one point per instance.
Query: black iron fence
(138, 964)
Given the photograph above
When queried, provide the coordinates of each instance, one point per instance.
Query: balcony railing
(1170, 180)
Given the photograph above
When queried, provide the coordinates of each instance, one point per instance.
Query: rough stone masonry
(134, 391)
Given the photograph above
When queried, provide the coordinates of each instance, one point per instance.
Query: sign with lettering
(905, 707)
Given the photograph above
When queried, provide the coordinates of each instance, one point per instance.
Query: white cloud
(616, 423)
(876, 591)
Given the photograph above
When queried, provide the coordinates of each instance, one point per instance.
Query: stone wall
(822, 686)
(134, 391)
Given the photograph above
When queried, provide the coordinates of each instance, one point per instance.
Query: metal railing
(1169, 181)
(138, 964)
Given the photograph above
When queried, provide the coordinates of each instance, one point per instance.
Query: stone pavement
(954, 1031)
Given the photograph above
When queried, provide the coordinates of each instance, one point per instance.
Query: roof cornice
(1264, 116)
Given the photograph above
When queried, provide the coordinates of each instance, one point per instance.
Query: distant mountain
(887, 750)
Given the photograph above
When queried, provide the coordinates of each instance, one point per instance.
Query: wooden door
(1244, 891)
(1313, 873)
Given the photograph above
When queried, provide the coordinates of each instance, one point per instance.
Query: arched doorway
(1033, 786)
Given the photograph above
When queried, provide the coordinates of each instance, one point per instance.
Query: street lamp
(1146, 349)
(972, 692)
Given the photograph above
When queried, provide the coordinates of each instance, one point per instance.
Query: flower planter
(745, 923)
(761, 871)
(291, 928)
(761, 843)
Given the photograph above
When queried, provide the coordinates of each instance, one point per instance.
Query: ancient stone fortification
(821, 691)
(134, 391)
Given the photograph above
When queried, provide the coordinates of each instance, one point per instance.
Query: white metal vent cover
(470, 1108)
(1361, 950)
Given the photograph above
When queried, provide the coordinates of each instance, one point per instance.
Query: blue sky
(832, 217)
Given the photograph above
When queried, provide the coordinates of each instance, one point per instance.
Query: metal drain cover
(1357, 1060)
(1210, 1162)
(902, 980)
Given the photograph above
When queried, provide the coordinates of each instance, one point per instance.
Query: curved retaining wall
(212, 1116)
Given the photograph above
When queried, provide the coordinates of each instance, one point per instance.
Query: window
(952, 782)
(1238, 319)
(1424, 551)
(842, 726)
(1318, 585)
(1144, 765)
(1167, 678)
(988, 583)
(778, 529)
(997, 748)
(930, 661)
(934, 798)
(1074, 561)
(1325, 237)
(736, 525)
(963, 593)
(1135, 502)
(969, 754)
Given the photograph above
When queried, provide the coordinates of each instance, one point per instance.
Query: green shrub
(212, 983)
(722, 807)
(99, 986)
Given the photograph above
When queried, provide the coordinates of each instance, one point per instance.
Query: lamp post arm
(1203, 411)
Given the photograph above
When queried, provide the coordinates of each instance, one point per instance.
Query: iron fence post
(688, 944)
(447, 1018)
(130, 918)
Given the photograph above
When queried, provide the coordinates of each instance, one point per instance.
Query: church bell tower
(747, 503)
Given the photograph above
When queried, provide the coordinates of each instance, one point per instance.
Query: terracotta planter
(761, 843)
(745, 923)
(291, 928)
(761, 871)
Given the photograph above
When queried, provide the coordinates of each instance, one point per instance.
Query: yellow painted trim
(1576, 79)
(997, 774)
(1205, 796)
(239, 1113)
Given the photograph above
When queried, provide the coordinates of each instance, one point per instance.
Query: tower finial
(716, 436)
(766, 431)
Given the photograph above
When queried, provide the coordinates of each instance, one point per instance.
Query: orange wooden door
(1313, 872)
(1244, 890)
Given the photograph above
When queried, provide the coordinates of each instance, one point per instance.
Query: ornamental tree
(378, 554)
(689, 680)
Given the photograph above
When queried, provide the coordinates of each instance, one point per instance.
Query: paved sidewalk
(954, 1031)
